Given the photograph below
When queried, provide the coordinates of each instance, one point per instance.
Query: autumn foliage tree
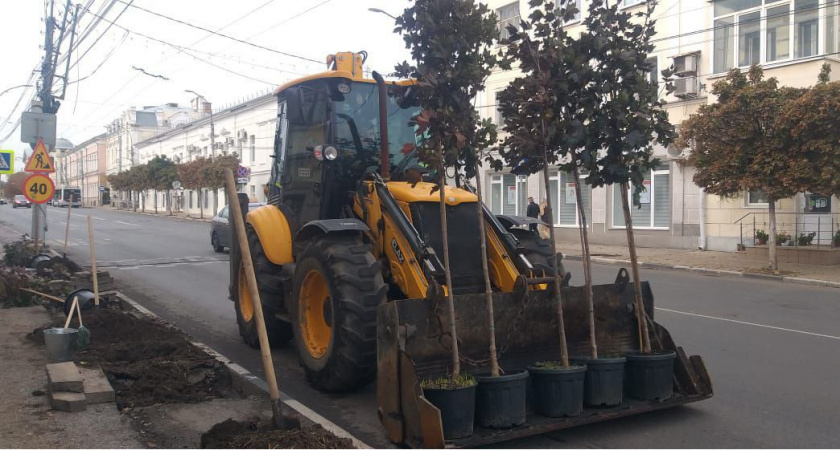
(14, 184)
(191, 175)
(742, 143)
(213, 174)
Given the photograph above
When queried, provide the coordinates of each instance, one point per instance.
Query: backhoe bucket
(414, 343)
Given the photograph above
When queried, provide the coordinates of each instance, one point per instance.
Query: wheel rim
(315, 314)
(246, 305)
(214, 241)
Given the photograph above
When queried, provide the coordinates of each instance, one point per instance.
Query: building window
(191, 199)
(655, 210)
(807, 28)
(653, 70)
(498, 119)
(756, 198)
(748, 32)
(626, 3)
(253, 143)
(252, 191)
(508, 15)
(564, 199)
(508, 194)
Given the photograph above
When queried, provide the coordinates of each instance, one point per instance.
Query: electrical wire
(179, 21)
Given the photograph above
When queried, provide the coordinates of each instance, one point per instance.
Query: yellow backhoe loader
(348, 256)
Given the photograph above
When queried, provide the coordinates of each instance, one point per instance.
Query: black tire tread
(356, 276)
(538, 251)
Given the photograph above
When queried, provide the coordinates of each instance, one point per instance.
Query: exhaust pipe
(385, 165)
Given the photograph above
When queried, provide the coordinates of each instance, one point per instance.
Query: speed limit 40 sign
(38, 188)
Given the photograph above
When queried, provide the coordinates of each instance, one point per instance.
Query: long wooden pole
(67, 232)
(444, 229)
(282, 420)
(587, 263)
(93, 274)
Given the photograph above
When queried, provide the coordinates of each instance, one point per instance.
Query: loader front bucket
(414, 343)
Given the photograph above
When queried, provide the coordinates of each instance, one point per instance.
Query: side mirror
(295, 106)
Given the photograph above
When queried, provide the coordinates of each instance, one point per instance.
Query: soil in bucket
(455, 398)
(650, 375)
(557, 390)
(604, 381)
(500, 401)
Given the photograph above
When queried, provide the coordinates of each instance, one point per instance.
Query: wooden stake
(587, 262)
(644, 339)
(93, 274)
(282, 420)
(67, 232)
(488, 290)
(444, 229)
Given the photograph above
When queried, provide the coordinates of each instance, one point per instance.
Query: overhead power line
(164, 16)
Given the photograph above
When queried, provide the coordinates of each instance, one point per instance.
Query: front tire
(214, 242)
(270, 287)
(338, 285)
(538, 251)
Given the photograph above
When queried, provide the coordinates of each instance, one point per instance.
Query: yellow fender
(274, 233)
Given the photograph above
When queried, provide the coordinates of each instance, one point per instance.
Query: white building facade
(246, 129)
(702, 40)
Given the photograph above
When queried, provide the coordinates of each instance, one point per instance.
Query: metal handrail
(785, 227)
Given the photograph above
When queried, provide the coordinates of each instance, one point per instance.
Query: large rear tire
(337, 286)
(270, 286)
(538, 251)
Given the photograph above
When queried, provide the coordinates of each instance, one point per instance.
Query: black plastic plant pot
(557, 392)
(86, 300)
(500, 401)
(650, 376)
(457, 409)
(604, 381)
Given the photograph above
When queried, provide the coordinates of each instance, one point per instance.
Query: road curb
(188, 218)
(248, 384)
(711, 272)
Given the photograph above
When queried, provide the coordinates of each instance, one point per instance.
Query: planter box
(815, 255)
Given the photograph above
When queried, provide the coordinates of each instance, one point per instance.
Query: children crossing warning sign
(7, 161)
(40, 161)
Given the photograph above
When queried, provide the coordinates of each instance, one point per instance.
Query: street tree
(741, 143)
(814, 137)
(628, 118)
(450, 43)
(541, 107)
(14, 184)
(191, 175)
(138, 181)
(213, 174)
(162, 173)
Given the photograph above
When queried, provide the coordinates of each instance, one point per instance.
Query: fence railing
(793, 229)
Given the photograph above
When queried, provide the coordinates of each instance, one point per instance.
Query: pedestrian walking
(533, 211)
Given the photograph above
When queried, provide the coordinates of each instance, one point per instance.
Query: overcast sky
(104, 91)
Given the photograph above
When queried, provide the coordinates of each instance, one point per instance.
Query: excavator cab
(347, 259)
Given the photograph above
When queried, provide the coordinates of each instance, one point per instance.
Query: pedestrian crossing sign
(40, 161)
(7, 161)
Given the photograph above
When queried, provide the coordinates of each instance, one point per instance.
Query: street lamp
(377, 10)
(212, 130)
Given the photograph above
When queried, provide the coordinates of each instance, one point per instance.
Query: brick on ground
(97, 387)
(68, 401)
(65, 377)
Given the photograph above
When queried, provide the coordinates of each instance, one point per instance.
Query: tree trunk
(444, 229)
(587, 262)
(169, 201)
(156, 209)
(488, 291)
(774, 261)
(644, 339)
(134, 203)
(564, 350)
(200, 207)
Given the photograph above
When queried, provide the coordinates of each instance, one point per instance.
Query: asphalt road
(772, 349)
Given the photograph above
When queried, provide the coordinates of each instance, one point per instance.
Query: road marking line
(126, 223)
(749, 323)
(85, 215)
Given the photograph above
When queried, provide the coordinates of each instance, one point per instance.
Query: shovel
(83, 337)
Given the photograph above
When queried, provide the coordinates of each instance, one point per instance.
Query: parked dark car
(3, 201)
(220, 228)
(20, 202)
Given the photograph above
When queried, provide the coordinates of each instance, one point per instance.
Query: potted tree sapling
(629, 119)
(449, 73)
(533, 106)
(761, 237)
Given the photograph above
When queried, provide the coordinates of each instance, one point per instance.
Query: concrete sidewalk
(161, 213)
(711, 262)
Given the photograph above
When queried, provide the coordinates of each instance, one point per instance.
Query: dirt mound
(148, 362)
(257, 433)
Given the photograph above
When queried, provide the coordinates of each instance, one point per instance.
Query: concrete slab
(68, 401)
(97, 387)
(64, 377)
